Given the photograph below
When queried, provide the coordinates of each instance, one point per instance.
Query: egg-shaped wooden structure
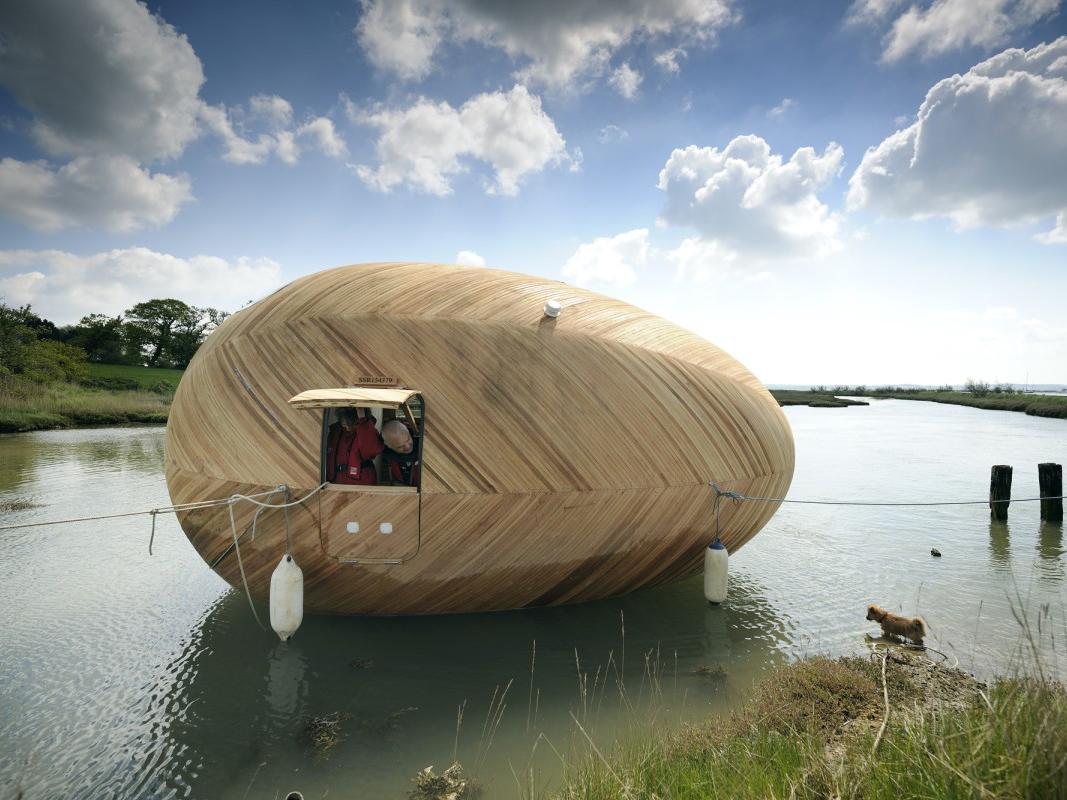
(562, 458)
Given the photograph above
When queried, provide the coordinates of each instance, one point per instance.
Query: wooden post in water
(999, 491)
(1050, 478)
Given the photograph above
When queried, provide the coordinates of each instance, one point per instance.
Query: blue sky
(855, 192)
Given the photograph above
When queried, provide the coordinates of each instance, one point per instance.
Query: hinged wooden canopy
(352, 396)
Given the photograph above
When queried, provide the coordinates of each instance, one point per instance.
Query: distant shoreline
(1037, 405)
(66, 406)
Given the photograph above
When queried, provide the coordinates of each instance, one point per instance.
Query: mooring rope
(179, 507)
(737, 497)
(264, 505)
(241, 564)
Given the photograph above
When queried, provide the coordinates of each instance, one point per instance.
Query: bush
(112, 384)
(162, 387)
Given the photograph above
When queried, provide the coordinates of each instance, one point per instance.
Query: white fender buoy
(716, 571)
(286, 597)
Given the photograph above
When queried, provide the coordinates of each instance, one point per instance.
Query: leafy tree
(39, 360)
(167, 333)
(102, 338)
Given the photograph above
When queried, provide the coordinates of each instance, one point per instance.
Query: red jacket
(350, 454)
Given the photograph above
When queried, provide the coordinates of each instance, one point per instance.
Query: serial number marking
(377, 380)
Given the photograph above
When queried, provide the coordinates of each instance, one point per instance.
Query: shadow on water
(241, 698)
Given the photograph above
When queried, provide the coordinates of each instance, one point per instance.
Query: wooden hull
(563, 460)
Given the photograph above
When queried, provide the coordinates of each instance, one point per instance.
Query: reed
(788, 742)
(26, 407)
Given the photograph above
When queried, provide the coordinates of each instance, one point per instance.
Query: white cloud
(64, 287)
(115, 88)
(428, 144)
(611, 260)
(100, 78)
(695, 259)
(469, 258)
(751, 203)
(612, 133)
(932, 28)
(322, 131)
(110, 191)
(279, 138)
(987, 148)
(402, 35)
(1058, 235)
(626, 81)
(558, 43)
(668, 60)
(782, 108)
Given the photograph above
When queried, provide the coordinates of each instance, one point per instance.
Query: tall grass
(26, 407)
(808, 732)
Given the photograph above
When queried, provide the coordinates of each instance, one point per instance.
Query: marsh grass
(27, 407)
(18, 505)
(998, 400)
(816, 728)
(807, 732)
(323, 733)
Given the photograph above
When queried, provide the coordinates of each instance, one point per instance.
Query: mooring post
(1050, 478)
(999, 491)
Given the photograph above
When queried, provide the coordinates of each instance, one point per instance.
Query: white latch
(352, 527)
(386, 527)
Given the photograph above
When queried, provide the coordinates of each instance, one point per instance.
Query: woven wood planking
(563, 459)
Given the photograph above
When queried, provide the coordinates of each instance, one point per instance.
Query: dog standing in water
(892, 625)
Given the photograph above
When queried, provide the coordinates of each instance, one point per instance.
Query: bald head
(397, 436)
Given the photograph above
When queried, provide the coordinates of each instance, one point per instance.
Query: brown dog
(910, 627)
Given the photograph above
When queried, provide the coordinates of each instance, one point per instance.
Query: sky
(869, 191)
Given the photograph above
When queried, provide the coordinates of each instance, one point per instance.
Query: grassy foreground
(118, 395)
(810, 729)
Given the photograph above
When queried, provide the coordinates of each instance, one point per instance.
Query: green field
(145, 376)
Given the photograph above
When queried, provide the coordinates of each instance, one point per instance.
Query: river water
(125, 674)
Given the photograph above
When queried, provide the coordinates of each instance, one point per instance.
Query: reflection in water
(128, 675)
(999, 545)
(246, 696)
(40, 466)
(1050, 549)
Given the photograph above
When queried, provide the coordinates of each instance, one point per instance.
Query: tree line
(155, 333)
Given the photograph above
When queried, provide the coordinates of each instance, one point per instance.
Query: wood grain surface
(563, 459)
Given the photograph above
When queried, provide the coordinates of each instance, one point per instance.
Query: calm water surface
(124, 674)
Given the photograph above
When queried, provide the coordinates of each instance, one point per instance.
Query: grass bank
(811, 730)
(28, 407)
(820, 397)
(813, 398)
(1033, 404)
